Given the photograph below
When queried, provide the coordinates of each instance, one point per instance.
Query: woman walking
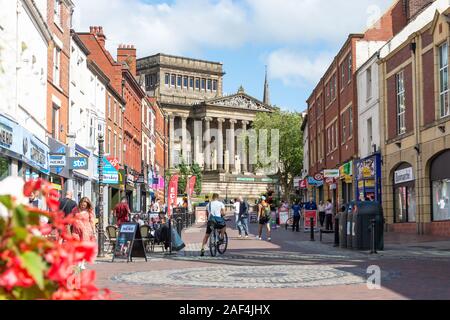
(264, 217)
(83, 227)
(329, 215)
(321, 213)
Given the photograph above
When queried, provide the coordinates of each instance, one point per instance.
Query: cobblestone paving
(279, 276)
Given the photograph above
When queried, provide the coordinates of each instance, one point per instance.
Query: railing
(182, 219)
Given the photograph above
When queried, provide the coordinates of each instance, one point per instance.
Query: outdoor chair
(145, 234)
(111, 233)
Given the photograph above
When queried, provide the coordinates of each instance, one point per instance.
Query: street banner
(307, 217)
(172, 194)
(191, 185)
(110, 170)
(284, 215)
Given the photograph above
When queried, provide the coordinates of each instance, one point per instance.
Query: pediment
(240, 101)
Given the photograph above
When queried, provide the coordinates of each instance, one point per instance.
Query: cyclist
(216, 212)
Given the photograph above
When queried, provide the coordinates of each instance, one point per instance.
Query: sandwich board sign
(307, 219)
(129, 243)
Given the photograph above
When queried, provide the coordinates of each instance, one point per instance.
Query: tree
(184, 171)
(290, 145)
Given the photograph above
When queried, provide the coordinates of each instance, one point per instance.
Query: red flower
(16, 277)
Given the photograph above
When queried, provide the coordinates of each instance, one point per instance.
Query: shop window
(5, 168)
(440, 182)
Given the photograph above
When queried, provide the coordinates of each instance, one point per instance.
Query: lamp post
(101, 233)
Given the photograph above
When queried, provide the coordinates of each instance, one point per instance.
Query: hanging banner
(331, 173)
(191, 185)
(172, 194)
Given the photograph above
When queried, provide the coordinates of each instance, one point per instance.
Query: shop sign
(331, 173)
(78, 163)
(346, 170)
(141, 179)
(330, 180)
(110, 171)
(366, 168)
(318, 177)
(366, 183)
(35, 151)
(10, 136)
(303, 184)
(315, 183)
(245, 179)
(6, 136)
(57, 161)
(404, 175)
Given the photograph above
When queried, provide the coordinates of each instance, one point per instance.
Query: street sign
(57, 161)
(110, 171)
(129, 243)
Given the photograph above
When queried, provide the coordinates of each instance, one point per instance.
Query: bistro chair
(111, 233)
(145, 235)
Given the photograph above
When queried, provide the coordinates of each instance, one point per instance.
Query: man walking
(67, 204)
(296, 225)
(329, 215)
(243, 217)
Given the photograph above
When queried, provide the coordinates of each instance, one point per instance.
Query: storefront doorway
(404, 194)
(440, 184)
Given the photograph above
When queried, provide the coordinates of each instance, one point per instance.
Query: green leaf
(35, 266)
(20, 233)
(20, 217)
(6, 201)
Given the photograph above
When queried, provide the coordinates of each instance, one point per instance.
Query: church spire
(266, 98)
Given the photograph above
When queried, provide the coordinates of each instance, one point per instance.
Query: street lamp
(101, 233)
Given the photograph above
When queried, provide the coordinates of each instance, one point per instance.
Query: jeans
(329, 222)
(296, 224)
(321, 218)
(243, 226)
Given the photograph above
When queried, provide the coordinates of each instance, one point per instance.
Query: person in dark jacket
(243, 217)
(67, 204)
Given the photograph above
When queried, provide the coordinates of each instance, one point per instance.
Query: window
(404, 204)
(109, 106)
(191, 82)
(109, 141)
(215, 85)
(197, 83)
(401, 108)
(115, 145)
(185, 82)
(209, 87)
(443, 80)
(350, 123)
(167, 79)
(329, 144)
(369, 136)
(172, 80)
(349, 68)
(344, 129)
(55, 122)
(203, 84)
(120, 149)
(115, 111)
(57, 12)
(332, 89)
(342, 75)
(334, 86)
(369, 83)
(56, 66)
(179, 81)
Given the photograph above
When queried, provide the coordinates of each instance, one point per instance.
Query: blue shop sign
(110, 173)
(78, 163)
(10, 137)
(315, 183)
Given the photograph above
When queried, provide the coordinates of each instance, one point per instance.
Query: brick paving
(289, 267)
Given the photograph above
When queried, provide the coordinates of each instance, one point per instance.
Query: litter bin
(349, 225)
(343, 228)
(364, 213)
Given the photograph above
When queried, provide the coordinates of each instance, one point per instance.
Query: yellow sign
(56, 186)
(367, 183)
(367, 172)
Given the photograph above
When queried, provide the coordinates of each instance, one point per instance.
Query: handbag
(218, 222)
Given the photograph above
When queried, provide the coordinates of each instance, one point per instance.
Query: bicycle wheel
(213, 243)
(289, 223)
(222, 247)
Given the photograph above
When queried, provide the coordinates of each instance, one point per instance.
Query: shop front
(316, 184)
(404, 194)
(368, 178)
(440, 184)
(59, 165)
(346, 182)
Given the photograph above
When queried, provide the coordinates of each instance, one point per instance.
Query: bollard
(336, 231)
(311, 221)
(374, 249)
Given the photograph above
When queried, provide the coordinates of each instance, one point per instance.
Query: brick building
(415, 131)
(333, 111)
(59, 19)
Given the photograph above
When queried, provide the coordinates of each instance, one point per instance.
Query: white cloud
(297, 69)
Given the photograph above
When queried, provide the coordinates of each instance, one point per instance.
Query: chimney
(127, 54)
(99, 35)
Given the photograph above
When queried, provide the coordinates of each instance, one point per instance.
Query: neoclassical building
(205, 127)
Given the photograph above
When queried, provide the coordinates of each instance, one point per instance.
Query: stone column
(244, 151)
(220, 146)
(231, 144)
(198, 142)
(171, 140)
(184, 142)
(207, 140)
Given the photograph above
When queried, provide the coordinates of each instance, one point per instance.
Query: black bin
(343, 229)
(363, 214)
(349, 226)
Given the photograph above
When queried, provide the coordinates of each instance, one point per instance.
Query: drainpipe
(417, 118)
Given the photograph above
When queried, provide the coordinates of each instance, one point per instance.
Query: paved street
(289, 267)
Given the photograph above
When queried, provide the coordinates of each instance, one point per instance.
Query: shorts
(263, 221)
(210, 226)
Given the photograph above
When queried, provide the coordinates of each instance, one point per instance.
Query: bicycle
(215, 245)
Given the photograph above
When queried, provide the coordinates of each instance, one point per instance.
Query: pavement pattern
(290, 267)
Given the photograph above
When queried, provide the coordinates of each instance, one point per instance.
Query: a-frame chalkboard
(129, 243)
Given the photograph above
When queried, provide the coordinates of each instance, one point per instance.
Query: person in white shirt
(236, 206)
(216, 211)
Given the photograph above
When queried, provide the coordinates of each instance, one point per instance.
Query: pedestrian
(329, 215)
(137, 219)
(67, 204)
(243, 217)
(83, 227)
(157, 206)
(296, 208)
(311, 204)
(122, 212)
(36, 202)
(264, 217)
(321, 213)
(236, 207)
(216, 214)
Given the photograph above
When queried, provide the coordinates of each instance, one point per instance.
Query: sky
(295, 39)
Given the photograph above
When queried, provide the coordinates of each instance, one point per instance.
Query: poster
(307, 219)
(284, 215)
